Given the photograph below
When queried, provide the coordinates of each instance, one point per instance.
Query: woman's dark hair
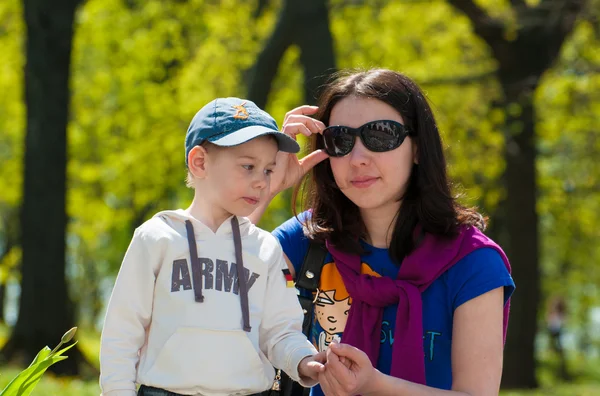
(428, 201)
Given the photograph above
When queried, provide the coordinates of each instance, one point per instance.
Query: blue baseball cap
(232, 121)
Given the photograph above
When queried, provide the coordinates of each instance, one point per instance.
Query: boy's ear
(197, 158)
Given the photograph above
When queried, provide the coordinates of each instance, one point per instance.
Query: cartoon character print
(332, 305)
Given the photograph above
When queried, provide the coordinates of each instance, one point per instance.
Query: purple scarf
(433, 256)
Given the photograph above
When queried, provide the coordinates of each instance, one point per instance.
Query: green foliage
(569, 172)
(12, 110)
(12, 118)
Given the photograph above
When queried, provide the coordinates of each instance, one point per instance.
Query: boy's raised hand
(310, 367)
(289, 169)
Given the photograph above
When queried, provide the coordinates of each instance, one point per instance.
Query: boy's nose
(261, 182)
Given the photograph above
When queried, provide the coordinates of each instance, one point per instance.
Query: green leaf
(43, 354)
(24, 383)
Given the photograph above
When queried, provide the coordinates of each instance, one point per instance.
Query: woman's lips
(364, 182)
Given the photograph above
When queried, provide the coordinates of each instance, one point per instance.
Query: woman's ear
(197, 162)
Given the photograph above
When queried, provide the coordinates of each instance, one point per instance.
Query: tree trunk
(301, 22)
(521, 63)
(522, 245)
(313, 36)
(45, 310)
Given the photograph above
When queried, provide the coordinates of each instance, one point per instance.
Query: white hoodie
(157, 335)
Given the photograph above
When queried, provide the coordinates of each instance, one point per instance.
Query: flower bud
(68, 336)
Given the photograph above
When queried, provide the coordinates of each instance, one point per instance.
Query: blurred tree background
(101, 92)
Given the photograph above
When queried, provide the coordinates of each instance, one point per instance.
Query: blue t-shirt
(477, 273)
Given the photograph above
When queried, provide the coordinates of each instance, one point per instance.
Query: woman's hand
(348, 371)
(289, 169)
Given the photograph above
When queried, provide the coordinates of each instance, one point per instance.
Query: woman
(409, 280)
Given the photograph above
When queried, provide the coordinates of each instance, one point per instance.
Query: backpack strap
(308, 279)
(310, 272)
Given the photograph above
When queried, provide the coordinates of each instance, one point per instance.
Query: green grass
(51, 385)
(559, 390)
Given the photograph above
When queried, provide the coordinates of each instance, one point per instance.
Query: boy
(192, 313)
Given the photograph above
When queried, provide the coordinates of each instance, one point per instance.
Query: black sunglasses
(377, 136)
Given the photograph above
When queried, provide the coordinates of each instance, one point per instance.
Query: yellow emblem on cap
(240, 112)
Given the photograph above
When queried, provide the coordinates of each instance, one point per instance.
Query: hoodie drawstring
(243, 286)
(196, 266)
(197, 269)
